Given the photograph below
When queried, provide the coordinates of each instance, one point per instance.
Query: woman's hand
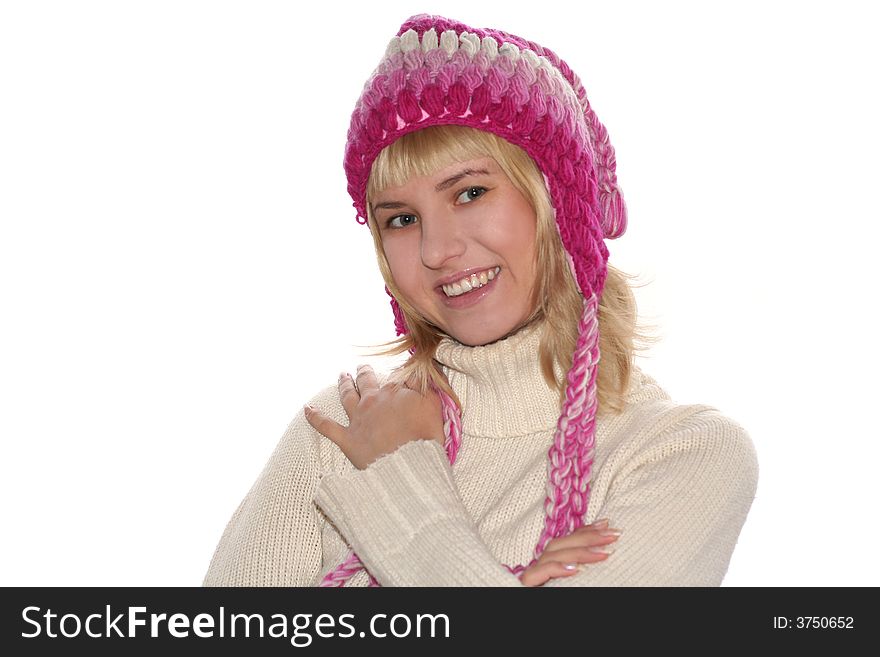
(381, 419)
(565, 555)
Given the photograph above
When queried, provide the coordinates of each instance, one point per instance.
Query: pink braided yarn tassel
(571, 455)
(570, 458)
(345, 571)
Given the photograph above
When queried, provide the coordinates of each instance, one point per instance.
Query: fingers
(589, 535)
(583, 554)
(348, 394)
(351, 390)
(567, 555)
(366, 378)
(325, 426)
(541, 573)
(570, 563)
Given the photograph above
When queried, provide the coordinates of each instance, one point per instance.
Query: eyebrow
(446, 184)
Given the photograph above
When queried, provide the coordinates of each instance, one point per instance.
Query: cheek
(516, 238)
(402, 256)
(396, 254)
(522, 237)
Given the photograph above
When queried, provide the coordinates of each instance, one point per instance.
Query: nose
(442, 240)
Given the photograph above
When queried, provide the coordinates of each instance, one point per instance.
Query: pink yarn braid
(571, 455)
(570, 458)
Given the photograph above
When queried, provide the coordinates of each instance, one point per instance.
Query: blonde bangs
(423, 152)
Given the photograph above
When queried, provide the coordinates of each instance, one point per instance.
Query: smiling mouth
(468, 283)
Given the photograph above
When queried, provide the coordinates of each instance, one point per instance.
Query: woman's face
(467, 226)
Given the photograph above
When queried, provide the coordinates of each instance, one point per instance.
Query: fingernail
(601, 550)
(571, 566)
(308, 408)
(600, 523)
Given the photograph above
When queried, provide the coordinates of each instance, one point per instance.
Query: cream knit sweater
(678, 479)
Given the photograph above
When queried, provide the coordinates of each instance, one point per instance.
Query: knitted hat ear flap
(399, 319)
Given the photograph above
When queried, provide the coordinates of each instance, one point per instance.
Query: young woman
(519, 441)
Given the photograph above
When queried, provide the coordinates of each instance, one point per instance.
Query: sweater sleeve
(404, 517)
(681, 502)
(274, 536)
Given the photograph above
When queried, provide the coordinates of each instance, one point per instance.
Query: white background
(180, 267)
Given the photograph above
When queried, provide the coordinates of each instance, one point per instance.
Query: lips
(471, 298)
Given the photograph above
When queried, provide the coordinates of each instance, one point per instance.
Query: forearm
(404, 517)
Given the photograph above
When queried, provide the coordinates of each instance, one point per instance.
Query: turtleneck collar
(500, 385)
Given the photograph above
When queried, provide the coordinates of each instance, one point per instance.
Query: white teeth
(473, 281)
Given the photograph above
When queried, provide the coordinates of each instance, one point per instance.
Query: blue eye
(391, 221)
(482, 190)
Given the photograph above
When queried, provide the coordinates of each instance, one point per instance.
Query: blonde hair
(555, 300)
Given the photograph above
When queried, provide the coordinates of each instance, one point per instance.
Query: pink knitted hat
(438, 71)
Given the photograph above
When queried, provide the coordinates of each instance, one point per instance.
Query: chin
(481, 338)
